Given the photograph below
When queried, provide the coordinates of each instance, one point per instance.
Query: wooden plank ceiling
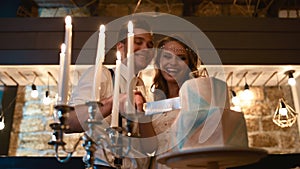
(255, 75)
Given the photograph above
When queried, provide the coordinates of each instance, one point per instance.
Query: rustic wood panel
(260, 57)
(220, 40)
(228, 57)
(237, 40)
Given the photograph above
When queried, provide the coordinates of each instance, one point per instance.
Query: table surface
(212, 157)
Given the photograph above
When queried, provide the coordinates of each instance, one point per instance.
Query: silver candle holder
(111, 138)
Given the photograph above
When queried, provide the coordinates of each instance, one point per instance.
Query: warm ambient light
(291, 80)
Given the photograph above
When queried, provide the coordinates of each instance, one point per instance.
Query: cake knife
(161, 106)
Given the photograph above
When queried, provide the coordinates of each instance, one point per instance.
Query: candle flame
(130, 27)
(63, 48)
(68, 20)
(118, 55)
(102, 28)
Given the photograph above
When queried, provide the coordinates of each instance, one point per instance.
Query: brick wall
(31, 132)
(262, 132)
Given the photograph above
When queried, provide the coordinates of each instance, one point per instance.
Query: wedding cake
(205, 118)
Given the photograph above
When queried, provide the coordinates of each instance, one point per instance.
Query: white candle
(65, 64)
(130, 67)
(98, 65)
(62, 58)
(115, 108)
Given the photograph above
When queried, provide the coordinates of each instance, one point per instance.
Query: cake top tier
(204, 93)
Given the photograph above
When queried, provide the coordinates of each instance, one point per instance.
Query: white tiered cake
(205, 119)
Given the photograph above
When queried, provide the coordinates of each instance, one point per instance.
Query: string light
(234, 99)
(46, 99)
(247, 94)
(291, 80)
(34, 91)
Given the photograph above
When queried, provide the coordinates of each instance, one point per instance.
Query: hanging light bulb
(2, 124)
(282, 110)
(284, 115)
(34, 91)
(247, 94)
(291, 80)
(47, 99)
(234, 99)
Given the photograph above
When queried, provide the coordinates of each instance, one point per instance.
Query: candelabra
(110, 138)
(58, 127)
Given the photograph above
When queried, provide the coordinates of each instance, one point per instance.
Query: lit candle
(130, 67)
(115, 108)
(98, 65)
(65, 62)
